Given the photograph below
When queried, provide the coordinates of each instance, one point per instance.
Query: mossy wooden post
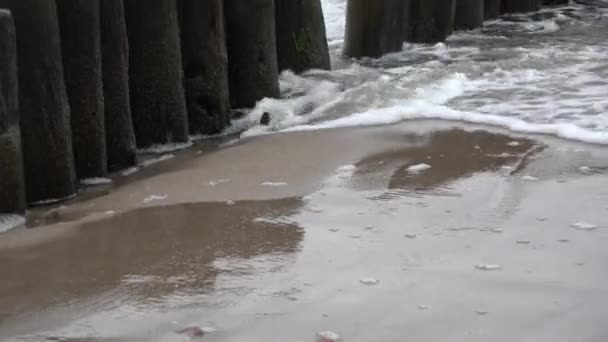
(491, 9)
(43, 102)
(81, 51)
(373, 28)
(520, 6)
(469, 14)
(433, 20)
(301, 36)
(252, 51)
(205, 63)
(12, 186)
(120, 137)
(158, 102)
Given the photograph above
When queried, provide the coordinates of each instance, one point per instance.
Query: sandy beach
(425, 231)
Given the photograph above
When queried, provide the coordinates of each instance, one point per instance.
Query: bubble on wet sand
(230, 203)
(514, 143)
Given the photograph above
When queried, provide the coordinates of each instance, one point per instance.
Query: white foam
(154, 198)
(164, 148)
(10, 222)
(96, 181)
(129, 171)
(160, 159)
(275, 184)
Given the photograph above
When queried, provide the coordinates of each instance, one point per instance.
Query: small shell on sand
(327, 336)
(192, 332)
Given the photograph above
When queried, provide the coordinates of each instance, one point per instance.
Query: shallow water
(543, 73)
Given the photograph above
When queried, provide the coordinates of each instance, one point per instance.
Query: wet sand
(502, 239)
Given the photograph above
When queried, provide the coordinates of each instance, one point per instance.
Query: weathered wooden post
(373, 28)
(301, 36)
(205, 63)
(491, 9)
(407, 20)
(555, 2)
(433, 20)
(12, 186)
(252, 51)
(120, 137)
(469, 14)
(81, 52)
(43, 101)
(520, 6)
(158, 102)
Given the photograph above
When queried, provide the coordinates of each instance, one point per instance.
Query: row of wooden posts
(84, 83)
(374, 28)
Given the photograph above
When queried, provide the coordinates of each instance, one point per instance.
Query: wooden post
(205, 63)
(407, 20)
(433, 20)
(120, 137)
(373, 28)
(158, 102)
(81, 50)
(252, 51)
(301, 36)
(521, 6)
(12, 186)
(555, 2)
(491, 9)
(469, 14)
(43, 102)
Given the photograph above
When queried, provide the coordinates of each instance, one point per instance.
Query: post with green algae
(374, 27)
(252, 51)
(433, 20)
(469, 14)
(43, 102)
(301, 35)
(205, 64)
(12, 186)
(81, 51)
(120, 137)
(158, 102)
